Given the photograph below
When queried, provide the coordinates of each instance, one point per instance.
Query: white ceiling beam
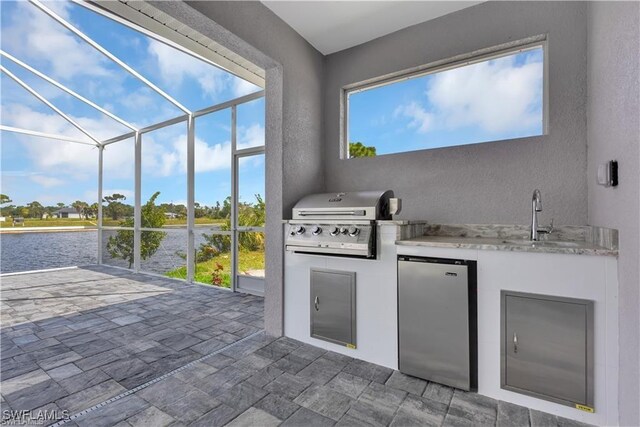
(67, 90)
(108, 54)
(44, 135)
(49, 104)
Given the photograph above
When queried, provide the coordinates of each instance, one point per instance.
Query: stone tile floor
(170, 354)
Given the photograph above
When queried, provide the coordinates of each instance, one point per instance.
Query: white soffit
(159, 23)
(332, 26)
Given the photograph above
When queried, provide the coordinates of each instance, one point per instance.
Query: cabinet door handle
(515, 342)
(316, 303)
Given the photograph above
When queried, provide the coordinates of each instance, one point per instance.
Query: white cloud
(24, 117)
(252, 161)
(208, 157)
(40, 40)
(252, 136)
(46, 181)
(69, 158)
(175, 66)
(140, 99)
(171, 158)
(242, 87)
(164, 152)
(168, 163)
(421, 120)
(211, 157)
(118, 160)
(495, 95)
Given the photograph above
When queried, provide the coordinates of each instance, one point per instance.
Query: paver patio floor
(167, 353)
(73, 338)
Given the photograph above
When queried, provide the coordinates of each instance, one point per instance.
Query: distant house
(170, 215)
(66, 213)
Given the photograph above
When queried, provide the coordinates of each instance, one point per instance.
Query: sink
(543, 243)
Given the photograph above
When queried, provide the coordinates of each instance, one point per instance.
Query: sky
(52, 171)
(493, 100)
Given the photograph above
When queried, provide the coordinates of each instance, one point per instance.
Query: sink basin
(543, 243)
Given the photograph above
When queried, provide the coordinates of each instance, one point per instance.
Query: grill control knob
(300, 230)
(316, 230)
(334, 231)
(353, 231)
(344, 230)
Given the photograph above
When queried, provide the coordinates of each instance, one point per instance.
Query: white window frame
(481, 55)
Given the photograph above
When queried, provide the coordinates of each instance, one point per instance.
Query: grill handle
(333, 213)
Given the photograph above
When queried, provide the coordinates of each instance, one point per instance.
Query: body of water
(37, 251)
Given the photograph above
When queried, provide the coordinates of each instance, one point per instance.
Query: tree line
(36, 209)
(114, 207)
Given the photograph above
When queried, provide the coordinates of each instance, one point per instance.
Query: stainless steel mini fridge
(437, 318)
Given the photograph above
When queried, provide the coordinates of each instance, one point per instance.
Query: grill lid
(365, 205)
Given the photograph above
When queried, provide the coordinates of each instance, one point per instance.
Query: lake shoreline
(62, 229)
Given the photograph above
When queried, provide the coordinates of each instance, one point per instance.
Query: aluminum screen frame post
(137, 210)
(100, 181)
(236, 156)
(191, 258)
(234, 200)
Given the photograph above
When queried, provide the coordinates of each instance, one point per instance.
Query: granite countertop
(575, 240)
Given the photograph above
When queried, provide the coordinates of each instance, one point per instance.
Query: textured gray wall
(484, 183)
(294, 87)
(614, 133)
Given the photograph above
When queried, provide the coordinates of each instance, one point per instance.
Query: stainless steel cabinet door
(333, 306)
(433, 312)
(545, 347)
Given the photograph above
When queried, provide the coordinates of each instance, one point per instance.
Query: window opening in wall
(492, 97)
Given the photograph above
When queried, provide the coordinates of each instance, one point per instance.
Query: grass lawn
(63, 222)
(249, 260)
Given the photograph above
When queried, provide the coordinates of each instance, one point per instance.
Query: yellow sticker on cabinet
(585, 408)
(351, 346)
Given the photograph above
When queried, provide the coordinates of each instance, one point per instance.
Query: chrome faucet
(536, 206)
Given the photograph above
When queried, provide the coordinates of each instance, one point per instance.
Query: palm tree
(80, 207)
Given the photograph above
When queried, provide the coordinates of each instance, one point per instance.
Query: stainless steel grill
(338, 223)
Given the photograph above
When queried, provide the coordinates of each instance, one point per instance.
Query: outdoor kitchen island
(584, 267)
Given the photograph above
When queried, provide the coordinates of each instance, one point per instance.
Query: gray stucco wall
(484, 183)
(614, 133)
(294, 87)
